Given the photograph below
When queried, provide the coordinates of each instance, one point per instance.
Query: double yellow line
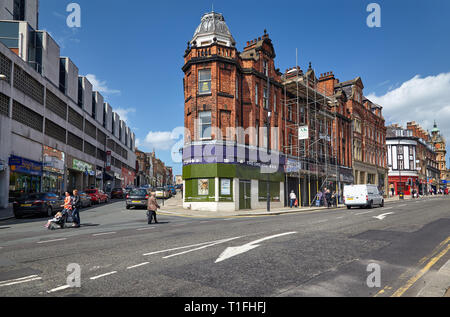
(437, 254)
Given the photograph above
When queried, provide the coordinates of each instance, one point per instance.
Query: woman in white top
(292, 198)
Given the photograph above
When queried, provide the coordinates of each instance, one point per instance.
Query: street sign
(303, 133)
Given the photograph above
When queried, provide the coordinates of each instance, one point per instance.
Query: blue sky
(134, 51)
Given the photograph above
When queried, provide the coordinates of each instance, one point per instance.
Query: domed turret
(212, 29)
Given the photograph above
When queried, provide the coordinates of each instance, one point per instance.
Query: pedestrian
(319, 199)
(152, 207)
(76, 205)
(328, 198)
(292, 198)
(334, 199)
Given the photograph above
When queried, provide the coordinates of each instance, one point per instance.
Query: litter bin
(402, 196)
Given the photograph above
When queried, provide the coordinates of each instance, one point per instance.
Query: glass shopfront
(53, 176)
(25, 177)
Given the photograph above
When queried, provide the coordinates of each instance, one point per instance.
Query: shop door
(244, 195)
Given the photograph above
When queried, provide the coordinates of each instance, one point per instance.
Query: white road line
(200, 248)
(388, 208)
(138, 265)
(61, 288)
(103, 234)
(142, 229)
(322, 221)
(231, 219)
(20, 280)
(403, 205)
(181, 248)
(340, 217)
(49, 241)
(103, 275)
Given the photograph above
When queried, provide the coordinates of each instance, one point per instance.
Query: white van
(362, 196)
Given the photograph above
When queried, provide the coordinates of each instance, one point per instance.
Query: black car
(47, 204)
(137, 198)
(85, 200)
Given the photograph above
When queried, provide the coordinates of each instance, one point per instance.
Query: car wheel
(18, 216)
(49, 211)
(382, 204)
(370, 206)
(128, 207)
(349, 207)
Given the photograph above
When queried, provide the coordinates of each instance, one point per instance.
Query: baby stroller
(60, 222)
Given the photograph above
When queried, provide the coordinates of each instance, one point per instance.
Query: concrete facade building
(52, 135)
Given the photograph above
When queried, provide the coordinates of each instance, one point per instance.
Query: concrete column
(216, 198)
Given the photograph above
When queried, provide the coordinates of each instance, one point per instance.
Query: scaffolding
(317, 157)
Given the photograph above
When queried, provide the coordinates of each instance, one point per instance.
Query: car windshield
(160, 189)
(91, 192)
(116, 189)
(139, 192)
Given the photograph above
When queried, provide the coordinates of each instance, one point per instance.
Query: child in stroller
(61, 218)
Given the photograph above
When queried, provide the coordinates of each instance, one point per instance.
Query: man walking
(152, 207)
(292, 198)
(76, 205)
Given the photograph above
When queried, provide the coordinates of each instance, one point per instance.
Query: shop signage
(82, 167)
(21, 165)
(53, 160)
(225, 187)
(303, 133)
(108, 161)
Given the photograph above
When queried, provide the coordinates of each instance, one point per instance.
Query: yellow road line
(421, 273)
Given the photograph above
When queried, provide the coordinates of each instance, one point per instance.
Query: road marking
(421, 273)
(404, 205)
(388, 208)
(103, 275)
(49, 241)
(138, 265)
(21, 280)
(103, 234)
(234, 251)
(381, 217)
(148, 228)
(186, 247)
(61, 288)
(340, 217)
(321, 221)
(200, 248)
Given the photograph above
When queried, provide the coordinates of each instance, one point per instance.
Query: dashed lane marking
(143, 229)
(138, 265)
(103, 275)
(103, 234)
(21, 280)
(50, 241)
(61, 288)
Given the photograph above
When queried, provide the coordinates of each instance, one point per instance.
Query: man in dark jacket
(76, 205)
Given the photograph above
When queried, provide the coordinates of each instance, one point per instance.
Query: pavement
(174, 206)
(326, 253)
(6, 213)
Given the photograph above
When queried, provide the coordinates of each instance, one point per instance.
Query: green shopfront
(221, 182)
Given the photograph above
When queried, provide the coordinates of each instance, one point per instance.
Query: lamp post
(106, 159)
(269, 115)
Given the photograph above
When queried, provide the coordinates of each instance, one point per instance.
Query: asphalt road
(324, 253)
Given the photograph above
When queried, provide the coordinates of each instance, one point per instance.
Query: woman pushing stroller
(61, 217)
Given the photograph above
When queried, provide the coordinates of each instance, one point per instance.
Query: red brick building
(245, 92)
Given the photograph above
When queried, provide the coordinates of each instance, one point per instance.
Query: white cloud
(160, 140)
(123, 113)
(101, 86)
(419, 99)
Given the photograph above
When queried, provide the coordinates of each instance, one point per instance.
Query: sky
(132, 51)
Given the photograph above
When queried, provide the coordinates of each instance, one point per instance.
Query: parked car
(97, 196)
(117, 193)
(128, 190)
(172, 190)
(362, 196)
(137, 198)
(162, 193)
(86, 200)
(47, 204)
